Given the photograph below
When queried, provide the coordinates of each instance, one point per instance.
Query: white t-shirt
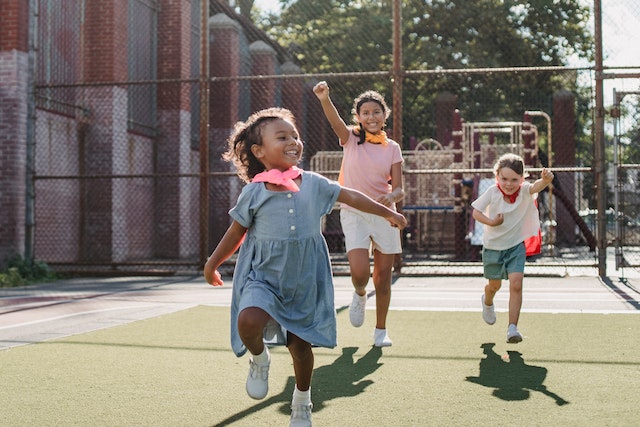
(521, 219)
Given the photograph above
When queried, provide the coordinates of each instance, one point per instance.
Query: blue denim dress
(283, 266)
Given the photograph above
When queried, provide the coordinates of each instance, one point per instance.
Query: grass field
(445, 369)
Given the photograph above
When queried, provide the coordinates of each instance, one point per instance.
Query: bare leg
(303, 360)
(490, 290)
(251, 323)
(515, 296)
(360, 269)
(382, 272)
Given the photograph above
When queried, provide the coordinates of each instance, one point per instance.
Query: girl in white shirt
(510, 216)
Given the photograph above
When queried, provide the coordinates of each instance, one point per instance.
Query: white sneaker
(301, 415)
(381, 339)
(356, 311)
(258, 380)
(513, 335)
(488, 312)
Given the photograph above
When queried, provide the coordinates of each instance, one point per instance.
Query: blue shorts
(498, 264)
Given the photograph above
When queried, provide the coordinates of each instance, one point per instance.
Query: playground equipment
(443, 178)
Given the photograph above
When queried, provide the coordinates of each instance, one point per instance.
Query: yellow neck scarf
(380, 138)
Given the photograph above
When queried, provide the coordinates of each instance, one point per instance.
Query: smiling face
(372, 116)
(509, 180)
(281, 146)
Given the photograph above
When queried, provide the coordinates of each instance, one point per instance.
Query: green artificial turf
(444, 369)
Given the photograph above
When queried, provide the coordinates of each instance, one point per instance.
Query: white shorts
(362, 230)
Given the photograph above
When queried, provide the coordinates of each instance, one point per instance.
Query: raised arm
(364, 203)
(228, 245)
(337, 124)
(546, 177)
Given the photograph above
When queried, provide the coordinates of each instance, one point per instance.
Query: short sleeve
(242, 211)
(482, 202)
(397, 154)
(327, 192)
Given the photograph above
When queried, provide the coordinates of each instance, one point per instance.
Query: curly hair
(248, 133)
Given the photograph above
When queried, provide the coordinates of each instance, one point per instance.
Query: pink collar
(277, 177)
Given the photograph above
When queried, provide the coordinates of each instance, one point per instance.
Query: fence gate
(626, 183)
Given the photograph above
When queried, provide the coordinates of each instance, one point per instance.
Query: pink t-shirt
(367, 167)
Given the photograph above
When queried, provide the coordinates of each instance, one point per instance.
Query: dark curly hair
(248, 133)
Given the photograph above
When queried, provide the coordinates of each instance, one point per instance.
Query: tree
(338, 36)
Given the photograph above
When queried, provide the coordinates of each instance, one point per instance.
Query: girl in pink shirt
(372, 164)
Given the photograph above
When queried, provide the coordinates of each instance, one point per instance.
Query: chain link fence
(119, 141)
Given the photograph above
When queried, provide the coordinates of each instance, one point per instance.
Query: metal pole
(599, 149)
(615, 115)
(204, 131)
(397, 71)
(29, 223)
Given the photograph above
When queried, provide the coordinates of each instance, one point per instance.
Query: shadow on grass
(343, 378)
(511, 377)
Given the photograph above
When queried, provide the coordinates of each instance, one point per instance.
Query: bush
(19, 272)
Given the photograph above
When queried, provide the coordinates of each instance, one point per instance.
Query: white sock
(262, 358)
(301, 397)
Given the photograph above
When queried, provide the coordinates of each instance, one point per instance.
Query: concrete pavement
(52, 310)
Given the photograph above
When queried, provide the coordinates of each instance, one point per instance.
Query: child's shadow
(342, 378)
(512, 379)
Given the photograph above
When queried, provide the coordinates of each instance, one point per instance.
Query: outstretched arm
(229, 244)
(364, 203)
(546, 177)
(337, 124)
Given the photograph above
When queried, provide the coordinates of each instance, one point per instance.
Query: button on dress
(283, 265)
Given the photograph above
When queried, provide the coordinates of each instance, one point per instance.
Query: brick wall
(105, 59)
(224, 58)
(14, 24)
(13, 126)
(57, 211)
(112, 220)
(224, 106)
(263, 63)
(173, 235)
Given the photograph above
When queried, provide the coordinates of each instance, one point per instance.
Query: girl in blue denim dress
(282, 283)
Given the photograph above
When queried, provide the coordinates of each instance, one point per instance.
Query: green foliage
(19, 272)
(339, 36)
